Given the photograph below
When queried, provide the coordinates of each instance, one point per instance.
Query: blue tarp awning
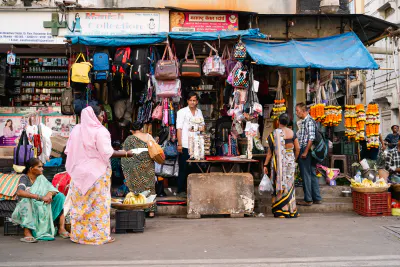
(118, 40)
(222, 35)
(343, 51)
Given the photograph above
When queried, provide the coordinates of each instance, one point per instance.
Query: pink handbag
(228, 61)
(167, 69)
(157, 113)
(167, 88)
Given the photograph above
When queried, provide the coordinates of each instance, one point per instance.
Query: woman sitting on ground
(40, 205)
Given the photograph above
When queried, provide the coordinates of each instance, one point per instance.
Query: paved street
(312, 240)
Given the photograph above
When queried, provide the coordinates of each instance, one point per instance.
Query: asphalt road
(312, 240)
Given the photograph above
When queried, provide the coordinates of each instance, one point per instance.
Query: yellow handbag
(80, 71)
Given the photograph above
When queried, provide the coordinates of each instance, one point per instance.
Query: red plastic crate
(372, 204)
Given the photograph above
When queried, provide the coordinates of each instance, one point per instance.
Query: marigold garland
(372, 129)
(333, 116)
(350, 121)
(361, 118)
(278, 109)
(317, 112)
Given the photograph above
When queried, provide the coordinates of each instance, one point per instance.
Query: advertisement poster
(203, 22)
(111, 23)
(10, 129)
(61, 125)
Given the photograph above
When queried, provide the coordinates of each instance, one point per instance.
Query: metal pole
(294, 94)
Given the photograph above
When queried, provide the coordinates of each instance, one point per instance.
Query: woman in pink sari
(88, 162)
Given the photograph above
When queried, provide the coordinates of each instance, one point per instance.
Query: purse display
(240, 51)
(167, 69)
(169, 169)
(167, 88)
(190, 67)
(228, 61)
(241, 78)
(80, 70)
(170, 150)
(213, 64)
(157, 113)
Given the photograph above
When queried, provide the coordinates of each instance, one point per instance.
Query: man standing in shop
(392, 139)
(306, 162)
(184, 117)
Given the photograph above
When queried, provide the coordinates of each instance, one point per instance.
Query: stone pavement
(311, 240)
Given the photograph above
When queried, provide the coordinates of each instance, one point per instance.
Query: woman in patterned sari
(284, 150)
(139, 170)
(88, 163)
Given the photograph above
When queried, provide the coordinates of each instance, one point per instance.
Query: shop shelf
(129, 220)
(40, 100)
(45, 72)
(41, 93)
(372, 204)
(39, 87)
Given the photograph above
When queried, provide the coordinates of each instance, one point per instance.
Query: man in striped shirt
(306, 163)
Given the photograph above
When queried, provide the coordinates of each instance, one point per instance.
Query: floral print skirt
(90, 213)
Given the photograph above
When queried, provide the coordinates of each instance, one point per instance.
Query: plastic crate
(11, 229)
(129, 221)
(372, 204)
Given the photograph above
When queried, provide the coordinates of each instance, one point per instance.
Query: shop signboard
(203, 22)
(61, 125)
(120, 23)
(31, 31)
(10, 129)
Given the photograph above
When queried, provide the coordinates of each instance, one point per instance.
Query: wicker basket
(120, 206)
(396, 187)
(369, 189)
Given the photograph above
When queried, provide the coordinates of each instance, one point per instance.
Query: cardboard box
(58, 145)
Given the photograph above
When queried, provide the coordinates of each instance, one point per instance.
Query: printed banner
(10, 129)
(61, 125)
(203, 22)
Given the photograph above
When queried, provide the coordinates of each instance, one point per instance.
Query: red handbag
(61, 182)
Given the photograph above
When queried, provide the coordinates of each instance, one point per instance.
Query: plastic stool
(343, 158)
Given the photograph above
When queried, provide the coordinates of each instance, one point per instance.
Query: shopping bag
(265, 185)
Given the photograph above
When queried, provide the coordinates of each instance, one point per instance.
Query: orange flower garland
(361, 118)
(333, 115)
(372, 129)
(278, 109)
(317, 112)
(350, 121)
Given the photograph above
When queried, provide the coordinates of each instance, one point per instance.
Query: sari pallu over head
(37, 215)
(88, 151)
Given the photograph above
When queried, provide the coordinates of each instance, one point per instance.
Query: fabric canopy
(344, 51)
(222, 35)
(118, 40)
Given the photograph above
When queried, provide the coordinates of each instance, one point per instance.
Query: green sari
(37, 215)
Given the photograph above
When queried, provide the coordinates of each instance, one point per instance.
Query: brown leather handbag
(190, 67)
(167, 69)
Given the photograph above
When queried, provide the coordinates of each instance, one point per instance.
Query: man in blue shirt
(306, 163)
(392, 139)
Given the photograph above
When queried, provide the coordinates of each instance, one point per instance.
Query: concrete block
(220, 193)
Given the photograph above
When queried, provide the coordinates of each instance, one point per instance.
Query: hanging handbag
(241, 78)
(155, 151)
(170, 150)
(169, 169)
(228, 61)
(190, 67)
(157, 113)
(240, 51)
(167, 88)
(23, 151)
(80, 70)
(213, 65)
(231, 74)
(167, 69)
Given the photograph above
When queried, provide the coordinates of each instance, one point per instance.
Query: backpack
(101, 66)
(140, 64)
(67, 101)
(122, 61)
(319, 150)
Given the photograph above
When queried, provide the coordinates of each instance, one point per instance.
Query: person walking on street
(306, 162)
(183, 125)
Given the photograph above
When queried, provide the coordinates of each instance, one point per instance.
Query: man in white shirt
(183, 126)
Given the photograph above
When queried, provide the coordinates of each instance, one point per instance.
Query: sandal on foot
(112, 240)
(28, 239)
(64, 235)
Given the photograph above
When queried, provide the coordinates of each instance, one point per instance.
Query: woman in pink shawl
(88, 162)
